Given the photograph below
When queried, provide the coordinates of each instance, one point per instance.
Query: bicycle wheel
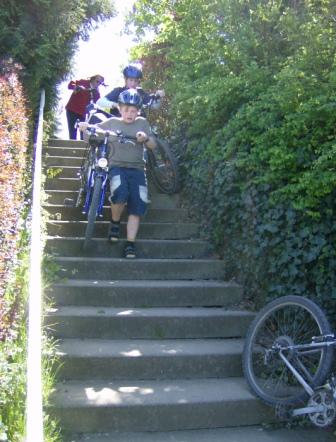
(163, 168)
(290, 320)
(85, 173)
(92, 213)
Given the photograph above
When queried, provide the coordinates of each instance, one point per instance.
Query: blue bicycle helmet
(131, 71)
(131, 97)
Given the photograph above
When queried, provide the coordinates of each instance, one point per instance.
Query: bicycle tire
(85, 173)
(163, 168)
(92, 213)
(287, 320)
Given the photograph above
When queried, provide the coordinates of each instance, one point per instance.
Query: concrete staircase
(150, 345)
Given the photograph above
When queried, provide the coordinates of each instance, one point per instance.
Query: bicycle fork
(88, 197)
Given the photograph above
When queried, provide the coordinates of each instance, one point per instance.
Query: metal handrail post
(34, 406)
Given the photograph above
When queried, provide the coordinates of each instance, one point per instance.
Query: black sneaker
(114, 232)
(130, 250)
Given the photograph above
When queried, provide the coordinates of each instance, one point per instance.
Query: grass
(13, 350)
(13, 355)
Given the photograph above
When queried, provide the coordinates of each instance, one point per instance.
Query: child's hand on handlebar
(141, 137)
(83, 125)
(160, 93)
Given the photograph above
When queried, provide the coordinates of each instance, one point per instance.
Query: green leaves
(42, 35)
(252, 95)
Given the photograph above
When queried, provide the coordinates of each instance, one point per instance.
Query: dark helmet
(131, 71)
(131, 97)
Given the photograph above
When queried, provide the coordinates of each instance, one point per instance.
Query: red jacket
(80, 99)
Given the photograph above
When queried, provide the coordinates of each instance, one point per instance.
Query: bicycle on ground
(287, 360)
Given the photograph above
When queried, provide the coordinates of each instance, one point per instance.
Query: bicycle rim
(92, 213)
(163, 168)
(85, 173)
(290, 320)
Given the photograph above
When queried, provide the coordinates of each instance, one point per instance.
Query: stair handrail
(34, 407)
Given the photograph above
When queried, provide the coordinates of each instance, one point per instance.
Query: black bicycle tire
(166, 152)
(92, 213)
(88, 161)
(325, 360)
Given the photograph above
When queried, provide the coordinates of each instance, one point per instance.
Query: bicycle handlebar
(153, 99)
(108, 133)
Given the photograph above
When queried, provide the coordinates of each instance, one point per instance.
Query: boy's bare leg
(117, 210)
(132, 227)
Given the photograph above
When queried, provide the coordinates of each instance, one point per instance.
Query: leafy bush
(13, 167)
(37, 41)
(252, 85)
(42, 36)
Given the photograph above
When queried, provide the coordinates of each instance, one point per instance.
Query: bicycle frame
(96, 171)
(307, 348)
(94, 179)
(285, 374)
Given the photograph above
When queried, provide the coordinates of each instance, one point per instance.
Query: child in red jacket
(83, 91)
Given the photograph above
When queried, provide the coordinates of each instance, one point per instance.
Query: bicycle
(162, 165)
(93, 114)
(287, 359)
(94, 178)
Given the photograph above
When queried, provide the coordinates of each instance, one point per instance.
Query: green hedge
(42, 36)
(252, 97)
(14, 168)
(37, 41)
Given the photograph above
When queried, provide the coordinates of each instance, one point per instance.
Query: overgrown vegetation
(42, 36)
(13, 251)
(252, 86)
(37, 41)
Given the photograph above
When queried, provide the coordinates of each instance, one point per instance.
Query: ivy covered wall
(252, 100)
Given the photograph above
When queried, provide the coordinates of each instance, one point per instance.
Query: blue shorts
(129, 185)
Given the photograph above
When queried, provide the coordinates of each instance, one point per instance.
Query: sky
(106, 53)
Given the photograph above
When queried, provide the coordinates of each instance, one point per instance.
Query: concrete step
(55, 142)
(158, 200)
(147, 230)
(142, 293)
(96, 406)
(160, 269)
(54, 173)
(150, 359)
(61, 172)
(61, 161)
(147, 323)
(62, 184)
(62, 212)
(72, 184)
(255, 433)
(62, 151)
(146, 248)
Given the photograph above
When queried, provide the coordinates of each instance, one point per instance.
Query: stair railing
(34, 410)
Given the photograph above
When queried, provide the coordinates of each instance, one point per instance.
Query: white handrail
(34, 410)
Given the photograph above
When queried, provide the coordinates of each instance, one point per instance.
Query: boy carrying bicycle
(132, 76)
(128, 182)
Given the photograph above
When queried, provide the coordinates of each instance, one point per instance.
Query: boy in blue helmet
(128, 182)
(132, 75)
